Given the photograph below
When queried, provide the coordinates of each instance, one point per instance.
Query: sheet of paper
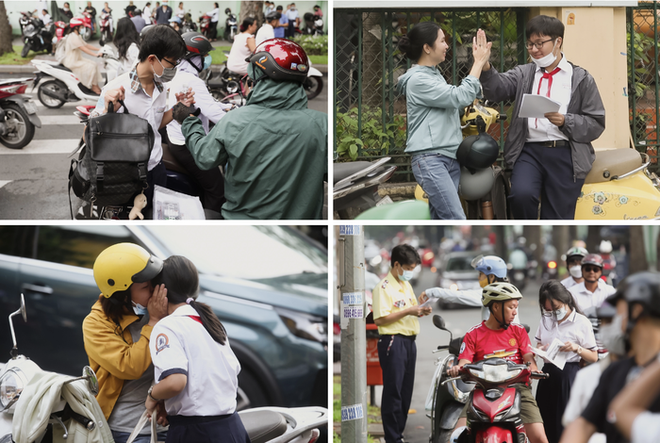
(428, 303)
(552, 354)
(535, 106)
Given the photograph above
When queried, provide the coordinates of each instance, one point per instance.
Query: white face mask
(139, 309)
(576, 271)
(613, 338)
(546, 60)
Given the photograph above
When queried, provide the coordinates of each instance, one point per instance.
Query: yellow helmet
(499, 291)
(121, 265)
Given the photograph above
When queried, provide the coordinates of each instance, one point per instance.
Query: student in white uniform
(561, 319)
(196, 371)
(593, 291)
(574, 258)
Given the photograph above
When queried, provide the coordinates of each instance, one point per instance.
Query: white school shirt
(540, 129)
(569, 282)
(146, 15)
(139, 103)
(264, 33)
(587, 299)
(181, 345)
(214, 14)
(576, 328)
(646, 428)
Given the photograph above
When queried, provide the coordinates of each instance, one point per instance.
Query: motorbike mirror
(89, 375)
(439, 322)
(23, 311)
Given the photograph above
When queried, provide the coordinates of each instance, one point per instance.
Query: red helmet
(593, 259)
(281, 60)
(75, 21)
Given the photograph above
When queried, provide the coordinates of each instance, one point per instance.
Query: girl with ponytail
(196, 371)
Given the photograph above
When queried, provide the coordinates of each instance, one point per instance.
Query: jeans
(122, 437)
(439, 175)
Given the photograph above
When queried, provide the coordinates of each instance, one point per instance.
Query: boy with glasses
(144, 93)
(550, 156)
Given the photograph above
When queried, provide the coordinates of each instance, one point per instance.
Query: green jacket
(275, 151)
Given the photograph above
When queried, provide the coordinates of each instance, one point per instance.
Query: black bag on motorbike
(112, 166)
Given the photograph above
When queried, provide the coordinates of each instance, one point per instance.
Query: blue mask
(207, 62)
(406, 276)
(139, 309)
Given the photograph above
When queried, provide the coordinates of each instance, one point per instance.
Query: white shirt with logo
(181, 345)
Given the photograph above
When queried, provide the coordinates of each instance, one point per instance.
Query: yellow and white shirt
(391, 296)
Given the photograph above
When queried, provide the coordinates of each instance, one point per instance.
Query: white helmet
(605, 247)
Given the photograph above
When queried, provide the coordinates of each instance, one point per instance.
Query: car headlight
(11, 386)
(310, 327)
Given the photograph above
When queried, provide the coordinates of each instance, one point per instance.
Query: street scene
(41, 140)
(531, 256)
(269, 365)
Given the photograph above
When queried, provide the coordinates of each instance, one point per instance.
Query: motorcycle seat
(263, 426)
(612, 163)
(86, 90)
(343, 170)
(62, 67)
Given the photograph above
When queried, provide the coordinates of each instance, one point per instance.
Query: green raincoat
(275, 151)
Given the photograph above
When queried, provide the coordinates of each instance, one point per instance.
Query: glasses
(173, 64)
(591, 269)
(538, 45)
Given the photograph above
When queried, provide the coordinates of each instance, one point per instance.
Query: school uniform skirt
(201, 429)
(552, 397)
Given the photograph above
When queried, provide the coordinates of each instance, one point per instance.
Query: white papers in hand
(428, 302)
(552, 354)
(535, 106)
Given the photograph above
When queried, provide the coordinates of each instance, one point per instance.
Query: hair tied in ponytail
(190, 300)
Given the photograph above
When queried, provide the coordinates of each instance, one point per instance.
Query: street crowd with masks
(600, 347)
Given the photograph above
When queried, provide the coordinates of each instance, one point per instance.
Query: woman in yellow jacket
(117, 332)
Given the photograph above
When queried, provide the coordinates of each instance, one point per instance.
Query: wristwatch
(151, 396)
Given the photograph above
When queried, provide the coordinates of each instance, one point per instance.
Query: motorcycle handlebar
(539, 375)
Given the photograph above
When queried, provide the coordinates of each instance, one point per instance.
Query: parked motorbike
(444, 403)
(60, 85)
(106, 28)
(59, 27)
(231, 26)
(205, 26)
(86, 29)
(37, 405)
(356, 186)
(35, 35)
(313, 24)
(188, 24)
(18, 114)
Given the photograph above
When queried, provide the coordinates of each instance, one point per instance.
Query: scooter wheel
(26, 50)
(313, 86)
(48, 101)
(19, 128)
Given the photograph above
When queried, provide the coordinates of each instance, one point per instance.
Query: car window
(77, 245)
(10, 239)
(247, 252)
(460, 264)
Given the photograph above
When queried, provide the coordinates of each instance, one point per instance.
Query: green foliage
(313, 44)
(644, 64)
(376, 140)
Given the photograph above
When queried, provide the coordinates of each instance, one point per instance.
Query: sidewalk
(29, 69)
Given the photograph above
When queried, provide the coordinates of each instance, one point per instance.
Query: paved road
(33, 180)
(458, 321)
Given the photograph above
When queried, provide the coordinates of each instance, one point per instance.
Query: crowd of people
(607, 385)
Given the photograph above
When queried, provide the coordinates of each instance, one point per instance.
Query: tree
(252, 9)
(5, 31)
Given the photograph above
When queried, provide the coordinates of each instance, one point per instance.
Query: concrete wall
(595, 39)
(196, 8)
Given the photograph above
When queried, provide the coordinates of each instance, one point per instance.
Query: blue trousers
(197, 429)
(122, 437)
(397, 355)
(439, 175)
(544, 175)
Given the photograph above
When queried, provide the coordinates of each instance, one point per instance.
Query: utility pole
(350, 250)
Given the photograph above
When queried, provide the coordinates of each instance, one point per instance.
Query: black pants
(552, 397)
(210, 181)
(546, 173)
(157, 176)
(213, 30)
(291, 30)
(397, 355)
(214, 429)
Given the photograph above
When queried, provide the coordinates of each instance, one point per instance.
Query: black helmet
(641, 288)
(196, 43)
(477, 151)
(227, 11)
(274, 15)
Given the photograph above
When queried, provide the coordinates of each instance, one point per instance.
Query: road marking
(44, 147)
(59, 120)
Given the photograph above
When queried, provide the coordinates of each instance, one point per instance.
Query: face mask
(547, 60)
(560, 314)
(168, 73)
(406, 276)
(139, 309)
(207, 62)
(483, 282)
(613, 338)
(576, 271)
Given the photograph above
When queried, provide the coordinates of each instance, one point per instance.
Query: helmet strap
(502, 323)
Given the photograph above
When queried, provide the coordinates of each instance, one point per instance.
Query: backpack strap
(99, 176)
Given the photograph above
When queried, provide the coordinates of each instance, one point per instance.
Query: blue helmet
(490, 265)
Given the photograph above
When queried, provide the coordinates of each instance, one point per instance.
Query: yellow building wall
(595, 39)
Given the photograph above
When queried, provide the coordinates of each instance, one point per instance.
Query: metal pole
(353, 334)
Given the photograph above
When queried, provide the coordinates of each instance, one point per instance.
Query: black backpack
(112, 166)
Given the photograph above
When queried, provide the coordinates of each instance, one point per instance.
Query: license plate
(30, 108)
(385, 201)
